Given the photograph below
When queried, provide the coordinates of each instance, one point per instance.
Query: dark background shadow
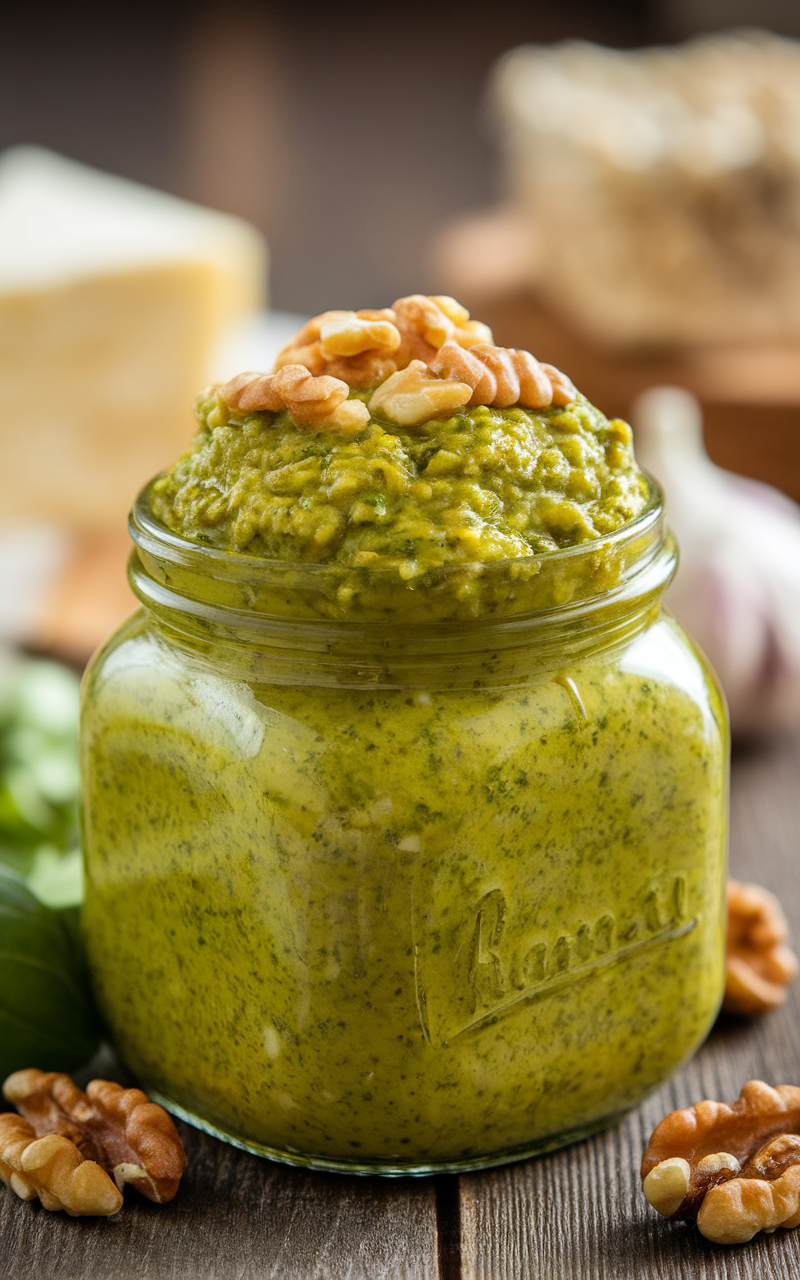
(349, 136)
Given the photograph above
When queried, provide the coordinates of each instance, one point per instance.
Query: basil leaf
(39, 776)
(47, 1015)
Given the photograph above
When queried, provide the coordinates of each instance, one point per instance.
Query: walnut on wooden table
(734, 1168)
(53, 1169)
(77, 1150)
(760, 965)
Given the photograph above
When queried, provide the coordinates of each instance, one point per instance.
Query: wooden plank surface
(581, 1212)
(577, 1213)
(236, 1217)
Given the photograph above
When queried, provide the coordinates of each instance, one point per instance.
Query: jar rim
(291, 612)
(150, 534)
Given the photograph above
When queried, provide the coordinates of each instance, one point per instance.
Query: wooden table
(578, 1213)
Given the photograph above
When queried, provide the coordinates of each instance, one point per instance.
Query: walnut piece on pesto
(453, 450)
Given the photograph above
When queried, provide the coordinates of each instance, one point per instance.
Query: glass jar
(404, 875)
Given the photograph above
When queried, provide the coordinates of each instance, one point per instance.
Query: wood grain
(236, 1217)
(581, 1212)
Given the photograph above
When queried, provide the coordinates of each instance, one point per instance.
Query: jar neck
(495, 625)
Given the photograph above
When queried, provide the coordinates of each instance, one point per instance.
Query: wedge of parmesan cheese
(113, 298)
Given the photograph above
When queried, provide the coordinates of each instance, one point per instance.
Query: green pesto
(483, 485)
(405, 847)
(398, 927)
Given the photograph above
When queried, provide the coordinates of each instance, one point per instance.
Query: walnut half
(760, 964)
(389, 351)
(119, 1130)
(414, 395)
(53, 1169)
(366, 347)
(501, 376)
(319, 403)
(734, 1168)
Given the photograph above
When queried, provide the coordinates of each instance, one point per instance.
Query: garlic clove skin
(737, 591)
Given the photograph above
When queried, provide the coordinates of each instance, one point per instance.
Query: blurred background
(348, 135)
(630, 216)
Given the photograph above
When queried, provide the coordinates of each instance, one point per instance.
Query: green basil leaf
(47, 1015)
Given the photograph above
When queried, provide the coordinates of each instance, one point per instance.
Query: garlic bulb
(737, 591)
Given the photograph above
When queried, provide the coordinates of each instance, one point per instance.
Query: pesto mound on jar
(401, 439)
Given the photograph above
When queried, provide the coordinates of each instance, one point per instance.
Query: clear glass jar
(392, 876)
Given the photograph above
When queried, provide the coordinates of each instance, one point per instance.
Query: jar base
(391, 1168)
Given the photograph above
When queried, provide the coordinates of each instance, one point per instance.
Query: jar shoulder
(135, 625)
(668, 654)
(659, 679)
